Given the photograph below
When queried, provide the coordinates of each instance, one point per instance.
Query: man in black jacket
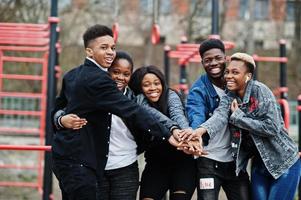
(79, 156)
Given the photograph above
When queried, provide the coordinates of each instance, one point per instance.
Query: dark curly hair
(94, 32)
(211, 44)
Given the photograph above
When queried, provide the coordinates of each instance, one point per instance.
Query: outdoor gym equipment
(35, 46)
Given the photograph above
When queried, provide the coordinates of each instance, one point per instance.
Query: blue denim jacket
(260, 115)
(202, 100)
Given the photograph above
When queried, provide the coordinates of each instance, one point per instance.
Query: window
(165, 6)
(290, 10)
(260, 10)
(243, 8)
(146, 6)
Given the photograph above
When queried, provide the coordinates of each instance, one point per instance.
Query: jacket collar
(90, 61)
(247, 94)
(209, 86)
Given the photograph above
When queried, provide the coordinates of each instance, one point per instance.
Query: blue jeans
(265, 187)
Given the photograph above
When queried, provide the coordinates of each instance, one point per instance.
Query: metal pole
(166, 63)
(51, 93)
(283, 74)
(255, 75)
(183, 74)
(214, 18)
(299, 138)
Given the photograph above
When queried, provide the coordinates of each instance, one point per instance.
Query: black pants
(179, 178)
(212, 175)
(120, 184)
(76, 181)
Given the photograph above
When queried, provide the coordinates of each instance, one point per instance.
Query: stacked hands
(187, 140)
(190, 141)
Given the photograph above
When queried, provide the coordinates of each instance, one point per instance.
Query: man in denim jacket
(217, 169)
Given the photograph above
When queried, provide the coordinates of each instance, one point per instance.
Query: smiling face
(121, 71)
(102, 50)
(152, 87)
(237, 76)
(214, 62)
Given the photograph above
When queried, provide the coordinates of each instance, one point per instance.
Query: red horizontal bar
(180, 54)
(22, 77)
(24, 48)
(26, 25)
(23, 59)
(22, 28)
(270, 59)
(21, 94)
(53, 20)
(21, 112)
(10, 166)
(24, 34)
(33, 131)
(283, 89)
(25, 147)
(228, 45)
(188, 49)
(18, 184)
(188, 45)
(25, 41)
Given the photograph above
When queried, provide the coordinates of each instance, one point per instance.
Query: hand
(193, 147)
(173, 141)
(234, 105)
(176, 133)
(73, 121)
(197, 133)
(185, 133)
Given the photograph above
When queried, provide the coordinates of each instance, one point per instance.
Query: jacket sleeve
(56, 119)
(267, 121)
(220, 117)
(163, 119)
(102, 91)
(176, 110)
(196, 108)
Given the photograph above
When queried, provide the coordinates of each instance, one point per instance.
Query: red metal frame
(15, 37)
(190, 52)
(270, 59)
(23, 148)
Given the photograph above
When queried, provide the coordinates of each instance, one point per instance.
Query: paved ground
(29, 158)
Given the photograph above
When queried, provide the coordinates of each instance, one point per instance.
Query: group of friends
(107, 114)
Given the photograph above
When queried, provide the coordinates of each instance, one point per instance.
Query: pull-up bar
(25, 147)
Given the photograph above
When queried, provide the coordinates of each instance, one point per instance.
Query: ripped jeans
(212, 175)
